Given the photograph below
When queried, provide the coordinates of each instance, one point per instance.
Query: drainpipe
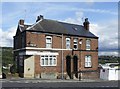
(80, 76)
(62, 60)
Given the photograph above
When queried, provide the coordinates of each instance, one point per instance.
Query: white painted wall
(110, 74)
(29, 66)
(104, 75)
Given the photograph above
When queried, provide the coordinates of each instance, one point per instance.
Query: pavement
(23, 80)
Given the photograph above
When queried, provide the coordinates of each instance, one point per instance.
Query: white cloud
(115, 53)
(107, 31)
(79, 16)
(99, 11)
(7, 37)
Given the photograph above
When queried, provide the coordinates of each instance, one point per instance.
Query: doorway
(68, 66)
(75, 66)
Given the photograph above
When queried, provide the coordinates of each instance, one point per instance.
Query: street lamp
(80, 42)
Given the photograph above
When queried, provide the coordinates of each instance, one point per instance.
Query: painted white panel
(29, 65)
(37, 53)
(110, 74)
(118, 72)
(114, 74)
(104, 74)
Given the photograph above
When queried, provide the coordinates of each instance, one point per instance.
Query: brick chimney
(40, 18)
(21, 22)
(86, 24)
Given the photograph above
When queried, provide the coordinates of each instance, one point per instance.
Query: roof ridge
(54, 26)
(64, 22)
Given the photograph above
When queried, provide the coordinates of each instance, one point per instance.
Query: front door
(68, 66)
(75, 66)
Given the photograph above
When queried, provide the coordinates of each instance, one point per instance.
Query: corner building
(52, 49)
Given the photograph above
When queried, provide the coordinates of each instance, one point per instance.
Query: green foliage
(13, 68)
(7, 56)
(5, 70)
(108, 59)
(101, 61)
(119, 60)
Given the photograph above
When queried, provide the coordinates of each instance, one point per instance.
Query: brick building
(53, 49)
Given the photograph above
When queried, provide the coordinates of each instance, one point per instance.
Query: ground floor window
(88, 61)
(48, 60)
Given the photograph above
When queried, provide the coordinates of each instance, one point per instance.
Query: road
(60, 85)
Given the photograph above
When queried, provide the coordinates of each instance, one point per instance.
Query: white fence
(110, 74)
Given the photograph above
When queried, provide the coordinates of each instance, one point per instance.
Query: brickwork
(39, 39)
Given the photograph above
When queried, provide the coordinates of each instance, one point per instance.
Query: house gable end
(18, 31)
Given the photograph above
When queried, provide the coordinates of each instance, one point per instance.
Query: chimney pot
(40, 18)
(86, 24)
(21, 22)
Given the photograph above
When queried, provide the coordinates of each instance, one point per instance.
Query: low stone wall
(90, 75)
(48, 75)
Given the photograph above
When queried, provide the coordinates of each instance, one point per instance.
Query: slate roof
(52, 26)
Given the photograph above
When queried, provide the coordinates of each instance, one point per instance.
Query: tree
(13, 69)
(119, 60)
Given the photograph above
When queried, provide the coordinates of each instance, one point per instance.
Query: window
(88, 61)
(49, 60)
(75, 43)
(48, 42)
(42, 60)
(67, 43)
(87, 44)
(46, 60)
(54, 60)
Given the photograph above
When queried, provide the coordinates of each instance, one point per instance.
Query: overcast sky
(103, 18)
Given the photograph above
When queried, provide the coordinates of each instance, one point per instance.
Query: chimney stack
(86, 24)
(21, 22)
(40, 18)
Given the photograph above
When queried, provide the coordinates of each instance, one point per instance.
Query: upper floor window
(88, 44)
(75, 43)
(48, 42)
(88, 62)
(67, 43)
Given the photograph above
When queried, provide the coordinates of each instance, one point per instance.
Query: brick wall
(40, 40)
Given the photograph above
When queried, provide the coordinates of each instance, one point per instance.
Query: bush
(13, 69)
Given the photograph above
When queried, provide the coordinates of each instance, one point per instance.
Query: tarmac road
(61, 84)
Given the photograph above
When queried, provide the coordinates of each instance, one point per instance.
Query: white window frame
(88, 44)
(53, 57)
(68, 44)
(75, 42)
(50, 43)
(88, 61)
